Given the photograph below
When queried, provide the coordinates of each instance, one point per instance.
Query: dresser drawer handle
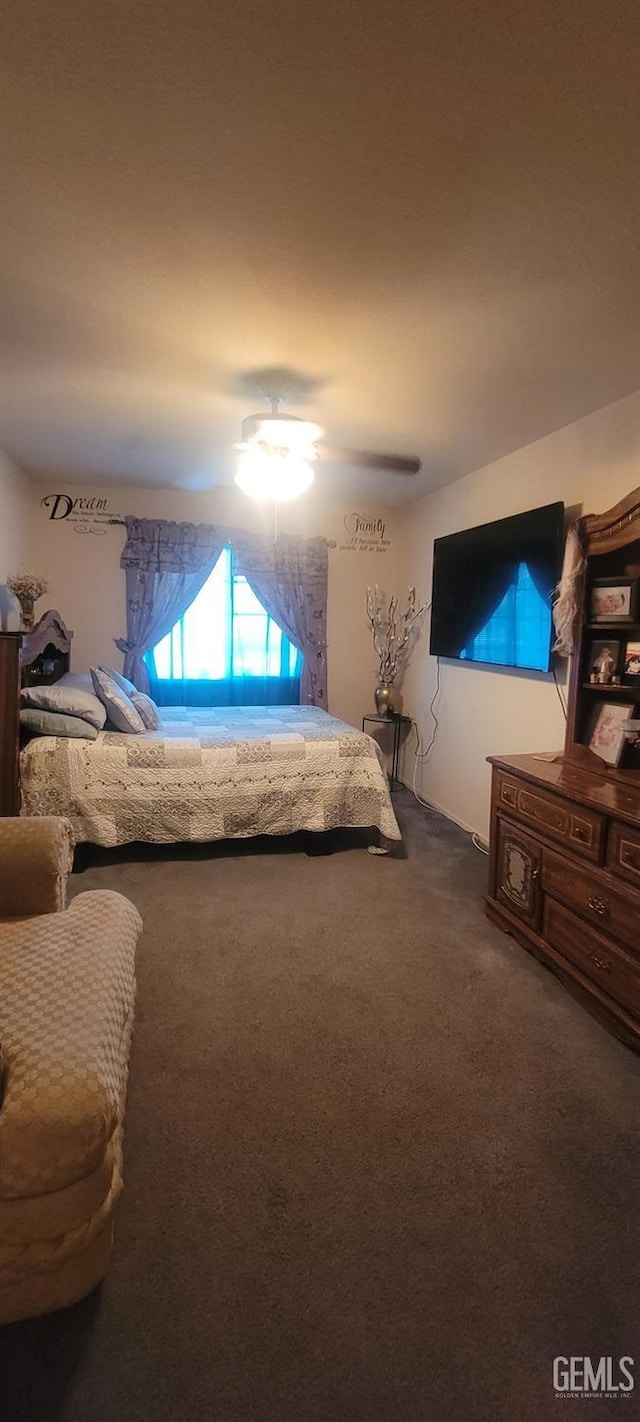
(603, 963)
(598, 905)
(579, 832)
(631, 857)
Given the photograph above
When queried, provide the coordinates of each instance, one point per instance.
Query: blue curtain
(517, 633)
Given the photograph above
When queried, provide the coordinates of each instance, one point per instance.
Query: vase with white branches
(394, 633)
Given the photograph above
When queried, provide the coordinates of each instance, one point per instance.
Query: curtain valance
(158, 545)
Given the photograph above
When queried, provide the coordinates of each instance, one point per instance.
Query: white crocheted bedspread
(212, 773)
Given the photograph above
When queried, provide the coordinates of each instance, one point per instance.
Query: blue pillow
(147, 709)
(120, 709)
(120, 680)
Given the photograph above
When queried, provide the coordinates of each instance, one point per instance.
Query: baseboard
(433, 805)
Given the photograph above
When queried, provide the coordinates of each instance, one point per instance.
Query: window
(518, 632)
(226, 649)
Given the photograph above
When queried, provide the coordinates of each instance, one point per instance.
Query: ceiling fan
(277, 451)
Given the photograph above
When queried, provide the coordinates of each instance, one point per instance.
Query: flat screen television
(493, 588)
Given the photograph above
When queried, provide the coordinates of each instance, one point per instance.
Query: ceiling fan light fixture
(278, 451)
(276, 456)
(285, 432)
(273, 473)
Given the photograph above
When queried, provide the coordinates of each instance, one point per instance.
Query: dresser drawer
(623, 855)
(559, 819)
(612, 908)
(597, 958)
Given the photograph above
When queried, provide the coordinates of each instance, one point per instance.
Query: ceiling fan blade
(389, 463)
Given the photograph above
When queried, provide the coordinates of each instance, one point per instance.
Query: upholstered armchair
(67, 988)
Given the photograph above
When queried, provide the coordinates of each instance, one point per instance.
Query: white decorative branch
(393, 636)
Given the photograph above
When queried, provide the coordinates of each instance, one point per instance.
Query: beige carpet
(379, 1165)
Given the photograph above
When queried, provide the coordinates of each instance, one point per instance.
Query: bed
(212, 773)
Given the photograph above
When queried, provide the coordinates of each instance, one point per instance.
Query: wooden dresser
(10, 643)
(565, 833)
(32, 658)
(565, 879)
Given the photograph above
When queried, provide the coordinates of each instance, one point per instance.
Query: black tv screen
(493, 588)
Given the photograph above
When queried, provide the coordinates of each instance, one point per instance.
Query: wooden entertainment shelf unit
(564, 869)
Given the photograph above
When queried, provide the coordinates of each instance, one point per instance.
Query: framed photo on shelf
(631, 665)
(606, 730)
(613, 599)
(604, 659)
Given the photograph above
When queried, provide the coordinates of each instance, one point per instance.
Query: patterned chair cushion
(67, 985)
(36, 855)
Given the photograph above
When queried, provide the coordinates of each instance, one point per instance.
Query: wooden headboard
(46, 651)
(31, 658)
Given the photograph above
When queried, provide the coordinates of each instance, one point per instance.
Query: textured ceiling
(430, 211)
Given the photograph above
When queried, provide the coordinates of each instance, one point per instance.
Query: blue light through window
(518, 632)
(224, 635)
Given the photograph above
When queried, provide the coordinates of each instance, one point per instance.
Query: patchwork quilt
(212, 773)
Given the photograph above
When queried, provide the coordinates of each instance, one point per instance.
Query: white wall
(14, 490)
(87, 583)
(14, 514)
(590, 465)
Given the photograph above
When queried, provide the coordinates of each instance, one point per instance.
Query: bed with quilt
(210, 773)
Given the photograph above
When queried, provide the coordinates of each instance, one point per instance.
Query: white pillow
(120, 709)
(72, 695)
(147, 709)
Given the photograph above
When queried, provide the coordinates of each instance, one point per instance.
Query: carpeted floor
(379, 1165)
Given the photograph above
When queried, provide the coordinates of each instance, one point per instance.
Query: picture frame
(613, 600)
(631, 664)
(606, 734)
(604, 658)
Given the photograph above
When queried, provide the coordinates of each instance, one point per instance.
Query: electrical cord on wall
(422, 754)
(559, 691)
(435, 809)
